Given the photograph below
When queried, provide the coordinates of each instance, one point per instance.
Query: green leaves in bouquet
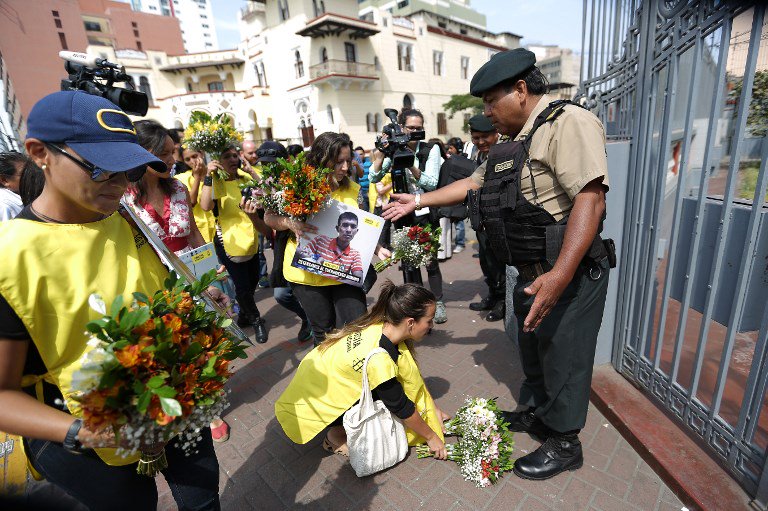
(198, 116)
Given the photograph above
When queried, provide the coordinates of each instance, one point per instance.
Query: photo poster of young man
(343, 246)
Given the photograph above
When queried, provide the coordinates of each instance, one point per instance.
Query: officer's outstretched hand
(400, 204)
(547, 288)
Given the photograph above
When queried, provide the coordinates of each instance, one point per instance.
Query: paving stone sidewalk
(467, 356)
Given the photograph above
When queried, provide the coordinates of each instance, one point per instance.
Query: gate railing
(677, 79)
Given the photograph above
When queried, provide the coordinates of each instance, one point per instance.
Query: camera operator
(423, 176)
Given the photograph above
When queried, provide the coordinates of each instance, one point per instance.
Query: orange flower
(145, 327)
(157, 414)
(185, 305)
(128, 356)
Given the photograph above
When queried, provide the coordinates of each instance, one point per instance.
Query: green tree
(757, 120)
(461, 102)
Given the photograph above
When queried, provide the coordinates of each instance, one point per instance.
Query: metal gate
(686, 83)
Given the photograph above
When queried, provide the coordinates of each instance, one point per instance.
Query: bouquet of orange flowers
(292, 188)
(156, 369)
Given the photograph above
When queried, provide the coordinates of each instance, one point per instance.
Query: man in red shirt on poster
(335, 252)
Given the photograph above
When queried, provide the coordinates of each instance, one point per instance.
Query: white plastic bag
(375, 438)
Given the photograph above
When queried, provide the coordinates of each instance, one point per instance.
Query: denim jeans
(285, 297)
(460, 239)
(193, 479)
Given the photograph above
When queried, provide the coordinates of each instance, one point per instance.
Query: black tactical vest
(521, 232)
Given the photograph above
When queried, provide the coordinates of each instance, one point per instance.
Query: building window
(144, 87)
(216, 86)
(135, 33)
(63, 41)
(134, 24)
(376, 122)
(261, 76)
(442, 25)
(139, 46)
(204, 25)
(55, 14)
(407, 101)
(57, 22)
(376, 64)
(370, 123)
(282, 6)
(92, 26)
(189, 86)
(329, 113)
(318, 7)
(349, 52)
(204, 16)
(323, 54)
(464, 68)
(405, 57)
(384, 21)
(299, 65)
(463, 31)
(437, 63)
(442, 125)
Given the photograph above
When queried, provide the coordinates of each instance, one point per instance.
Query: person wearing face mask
(236, 235)
(11, 166)
(64, 246)
(328, 303)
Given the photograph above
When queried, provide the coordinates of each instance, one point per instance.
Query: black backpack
(455, 168)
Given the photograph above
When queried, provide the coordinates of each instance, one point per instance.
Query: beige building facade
(304, 67)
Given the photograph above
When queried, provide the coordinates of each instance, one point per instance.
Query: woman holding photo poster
(328, 303)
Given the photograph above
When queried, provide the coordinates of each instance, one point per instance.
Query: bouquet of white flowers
(484, 449)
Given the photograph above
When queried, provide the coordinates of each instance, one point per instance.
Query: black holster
(473, 205)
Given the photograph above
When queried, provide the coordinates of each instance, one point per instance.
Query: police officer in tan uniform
(541, 202)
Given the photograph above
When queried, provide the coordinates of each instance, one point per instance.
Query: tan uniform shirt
(566, 154)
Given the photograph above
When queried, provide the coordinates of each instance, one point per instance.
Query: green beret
(481, 123)
(501, 67)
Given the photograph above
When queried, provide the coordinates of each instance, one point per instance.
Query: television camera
(97, 76)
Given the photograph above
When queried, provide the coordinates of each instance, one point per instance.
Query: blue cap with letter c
(94, 127)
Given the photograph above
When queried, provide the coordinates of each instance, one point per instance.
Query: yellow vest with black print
(328, 383)
(347, 196)
(204, 220)
(48, 273)
(237, 231)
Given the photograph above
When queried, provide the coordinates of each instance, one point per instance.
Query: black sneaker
(558, 454)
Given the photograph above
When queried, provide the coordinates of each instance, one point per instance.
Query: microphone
(86, 60)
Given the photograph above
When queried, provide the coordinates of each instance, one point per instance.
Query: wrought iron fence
(686, 83)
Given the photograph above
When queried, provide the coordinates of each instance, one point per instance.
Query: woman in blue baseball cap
(65, 245)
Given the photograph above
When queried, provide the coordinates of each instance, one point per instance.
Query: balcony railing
(343, 68)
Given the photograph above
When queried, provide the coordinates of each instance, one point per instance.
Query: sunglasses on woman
(98, 174)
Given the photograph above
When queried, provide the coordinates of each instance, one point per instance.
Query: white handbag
(375, 438)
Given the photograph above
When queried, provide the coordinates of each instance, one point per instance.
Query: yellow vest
(328, 383)
(237, 230)
(373, 194)
(205, 220)
(49, 271)
(347, 196)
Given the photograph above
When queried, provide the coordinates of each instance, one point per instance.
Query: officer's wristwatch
(417, 200)
(71, 442)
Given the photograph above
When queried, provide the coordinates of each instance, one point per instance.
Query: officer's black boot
(485, 304)
(561, 452)
(526, 422)
(497, 313)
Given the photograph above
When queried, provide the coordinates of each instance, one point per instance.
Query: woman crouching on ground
(328, 380)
